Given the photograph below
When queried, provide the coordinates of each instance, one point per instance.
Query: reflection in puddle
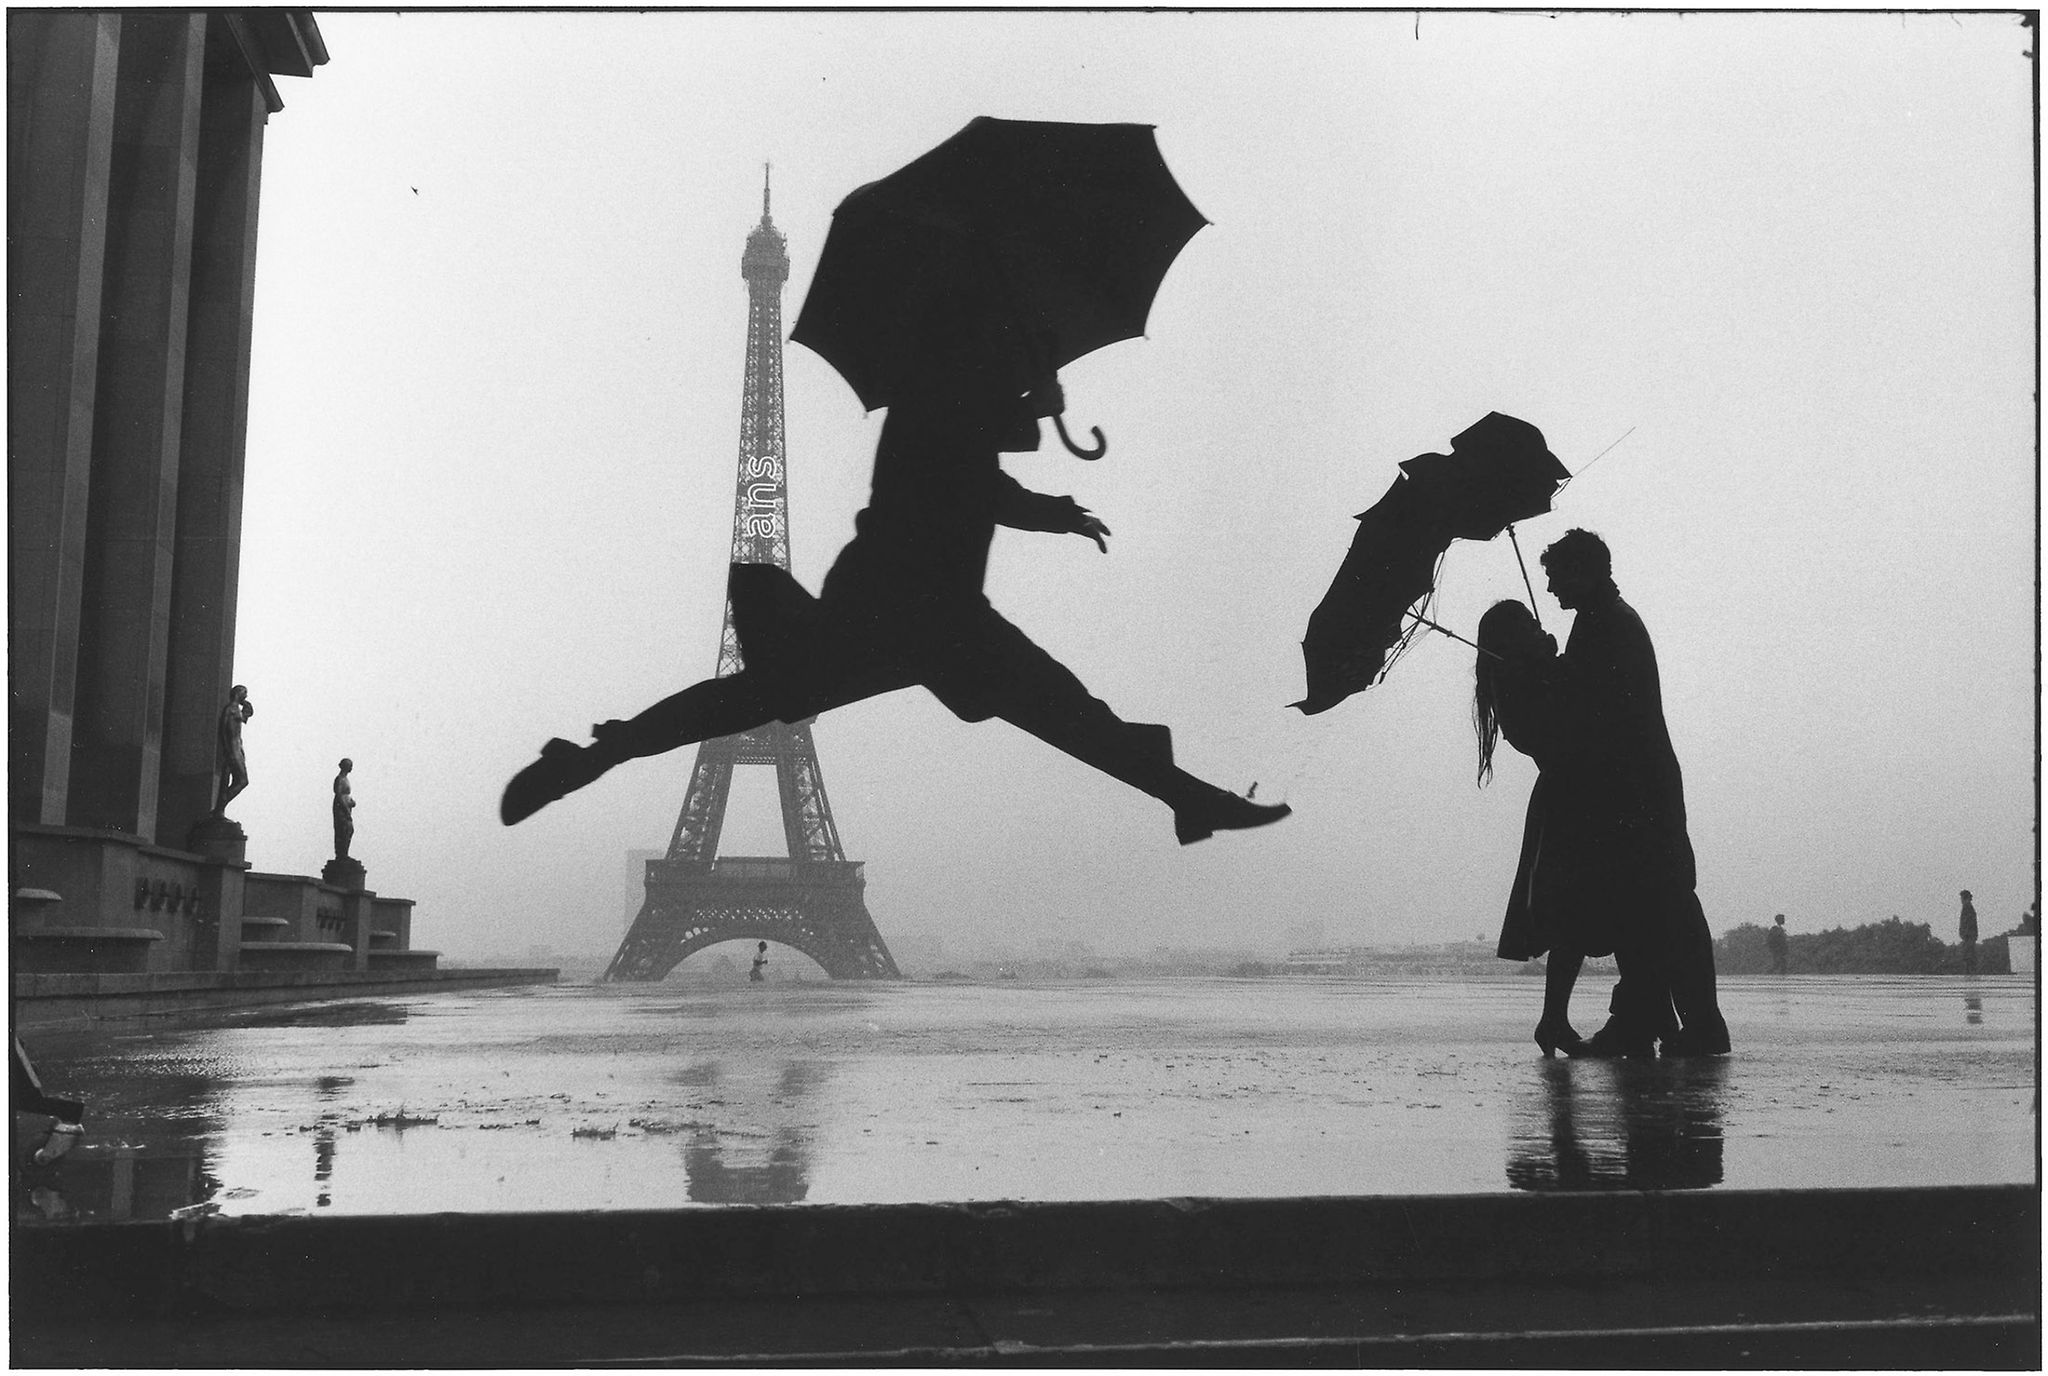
(733, 1167)
(121, 1183)
(738, 1131)
(593, 1098)
(1620, 1125)
(782, 1178)
(145, 1153)
(323, 1164)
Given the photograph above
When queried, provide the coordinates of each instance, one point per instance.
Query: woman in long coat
(1520, 692)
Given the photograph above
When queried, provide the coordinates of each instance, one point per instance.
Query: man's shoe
(1220, 811)
(1698, 1041)
(1612, 1042)
(562, 768)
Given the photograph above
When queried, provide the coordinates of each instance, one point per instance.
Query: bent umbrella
(1499, 471)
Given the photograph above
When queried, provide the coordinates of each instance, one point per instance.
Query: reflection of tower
(782, 1178)
(729, 1168)
(813, 899)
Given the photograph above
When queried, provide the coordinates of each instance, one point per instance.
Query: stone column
(60, 136)
(125, 626)
(217, 927)
(357, 910)
(206, 559)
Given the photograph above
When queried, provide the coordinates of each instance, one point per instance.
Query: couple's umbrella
(1498, 472)
(1018, 244)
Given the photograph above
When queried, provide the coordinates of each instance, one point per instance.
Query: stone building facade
(134, 165)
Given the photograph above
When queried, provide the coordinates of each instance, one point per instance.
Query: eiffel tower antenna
(812, 899)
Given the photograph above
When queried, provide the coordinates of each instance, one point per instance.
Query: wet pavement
(598, 1097)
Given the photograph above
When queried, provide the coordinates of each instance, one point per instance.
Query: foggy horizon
(495, 408)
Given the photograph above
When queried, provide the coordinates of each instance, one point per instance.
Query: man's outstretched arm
(1022, 509)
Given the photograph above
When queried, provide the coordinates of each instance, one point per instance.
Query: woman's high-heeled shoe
(1558, 1036)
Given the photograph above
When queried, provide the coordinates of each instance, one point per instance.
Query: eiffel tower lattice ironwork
(814, 898)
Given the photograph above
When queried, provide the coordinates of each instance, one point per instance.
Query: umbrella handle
(1101, 444)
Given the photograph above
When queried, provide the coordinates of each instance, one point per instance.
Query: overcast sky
(495, 411)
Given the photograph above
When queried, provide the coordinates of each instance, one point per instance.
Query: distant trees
(1891, 947)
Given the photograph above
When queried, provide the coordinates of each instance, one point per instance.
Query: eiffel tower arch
(813, 899)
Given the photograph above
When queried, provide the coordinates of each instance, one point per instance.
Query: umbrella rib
(1452, 634)
(1525, 573)
(1596, 458)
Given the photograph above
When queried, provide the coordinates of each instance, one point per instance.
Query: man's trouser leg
(1641, 1003)
(992, 669)
(1693, 987)
(1646, 958)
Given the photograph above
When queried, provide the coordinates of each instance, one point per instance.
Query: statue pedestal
(219, 838)
(343, 873)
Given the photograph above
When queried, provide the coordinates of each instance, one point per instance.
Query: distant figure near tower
(760, 963)
(1776, 940)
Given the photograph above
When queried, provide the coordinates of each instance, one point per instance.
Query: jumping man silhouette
(903, 605)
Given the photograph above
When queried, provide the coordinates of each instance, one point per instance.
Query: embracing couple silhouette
(1606, 865)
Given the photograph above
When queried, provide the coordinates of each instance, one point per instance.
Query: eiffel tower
(812, 899)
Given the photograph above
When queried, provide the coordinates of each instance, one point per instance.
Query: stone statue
(344, 808)
(233, 764)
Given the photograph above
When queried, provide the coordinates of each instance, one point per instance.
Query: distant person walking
(1966, 929)
(1627, 803)
(754, 972)
(1775, 939)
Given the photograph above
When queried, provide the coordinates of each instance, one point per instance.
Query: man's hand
(1047, 398)
(1089, 524)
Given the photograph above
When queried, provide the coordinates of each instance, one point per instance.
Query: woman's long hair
(1495, 634)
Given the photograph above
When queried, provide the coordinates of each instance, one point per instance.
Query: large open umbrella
(1020, 243)
(1498, 472)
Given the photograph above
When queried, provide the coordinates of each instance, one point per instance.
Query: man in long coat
(1627, 801)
